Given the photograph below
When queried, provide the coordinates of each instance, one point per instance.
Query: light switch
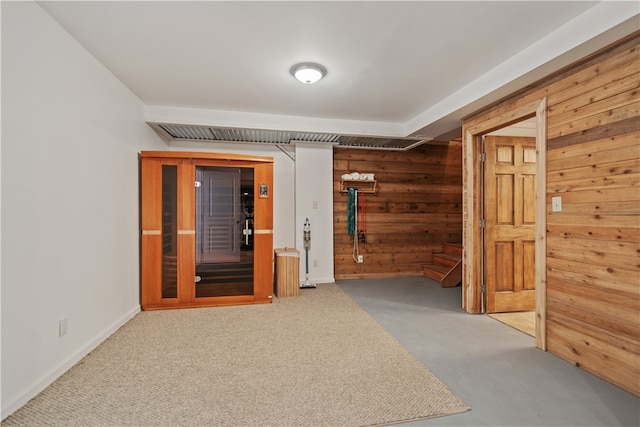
(556, 204)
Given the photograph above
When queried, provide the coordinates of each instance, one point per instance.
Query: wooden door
(509, 209)
(218, 224)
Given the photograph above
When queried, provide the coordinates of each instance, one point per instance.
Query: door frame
(472, 208)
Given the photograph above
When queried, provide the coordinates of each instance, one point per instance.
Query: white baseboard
(55, 373)
(322, 280)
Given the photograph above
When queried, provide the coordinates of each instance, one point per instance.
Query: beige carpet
(313, 360)
(524, 321)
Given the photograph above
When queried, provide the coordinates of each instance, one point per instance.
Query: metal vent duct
(177, 132)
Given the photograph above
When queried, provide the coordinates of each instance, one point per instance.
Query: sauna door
(509, 242)
(175, 269)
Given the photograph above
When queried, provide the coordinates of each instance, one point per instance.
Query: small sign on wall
(264, 191)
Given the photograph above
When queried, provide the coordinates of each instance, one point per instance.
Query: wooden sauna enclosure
(192, 217)
(587, 249)
(416, 207)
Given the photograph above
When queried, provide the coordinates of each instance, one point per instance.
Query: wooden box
(287, 272)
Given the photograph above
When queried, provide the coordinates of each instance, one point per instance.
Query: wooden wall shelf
(366, 186)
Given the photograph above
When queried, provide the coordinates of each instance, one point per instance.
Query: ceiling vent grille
(173, 132)
(381, 143)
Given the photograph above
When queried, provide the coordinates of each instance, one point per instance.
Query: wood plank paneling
(621, 308)
(579, 123)
(623, 255)
(588, 347)
(605, 105)
(587, 95)
(608, 228)
(616, 329)
(596, 170)
(623, 127)
(593, 245)
(619, 63)
(608, 151)
(593, 249)
(417, 207)
(592, 278)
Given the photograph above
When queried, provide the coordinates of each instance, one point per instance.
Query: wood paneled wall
(593, 245)
(417, 208)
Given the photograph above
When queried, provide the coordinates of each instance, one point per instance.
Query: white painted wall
(314, 200)
(70, 137)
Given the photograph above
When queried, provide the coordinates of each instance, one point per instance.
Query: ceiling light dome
(308, 72)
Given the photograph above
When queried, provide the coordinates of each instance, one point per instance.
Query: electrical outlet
(62, 327)
(315, 263)
(360, 259)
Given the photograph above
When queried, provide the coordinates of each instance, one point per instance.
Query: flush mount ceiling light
(308, 72)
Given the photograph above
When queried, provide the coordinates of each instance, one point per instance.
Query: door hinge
(198, 184)
(483, 223)
(483, 288)
(483, 157)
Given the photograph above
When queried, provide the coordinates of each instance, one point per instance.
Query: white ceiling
(394, 68)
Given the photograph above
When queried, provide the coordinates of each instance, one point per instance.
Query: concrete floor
(493, 368)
